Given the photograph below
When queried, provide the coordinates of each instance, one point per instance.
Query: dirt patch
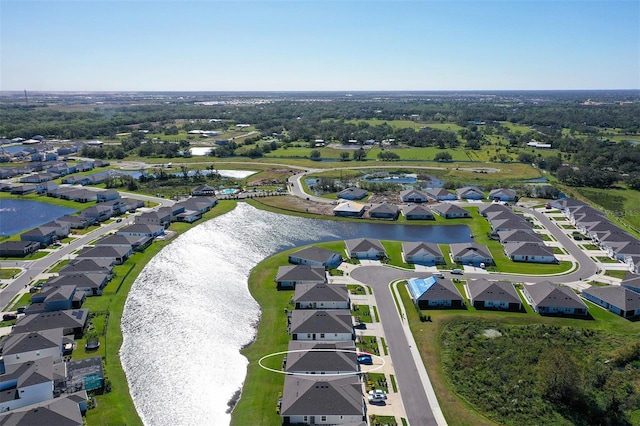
(491, 333)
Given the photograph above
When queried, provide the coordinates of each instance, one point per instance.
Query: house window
(322, 335)
(323, 418)
(308, 336)
(305, 419)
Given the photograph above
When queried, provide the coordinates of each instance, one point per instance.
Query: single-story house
(432, 292)
(310, 357)
(71, 321)
(485, 294)
(97, 213)
(142, 230)
(631, 281)
(546, 297)
(440, 194)
(471, 254)
(450, 211)
(323, 400)
(364, 248)
(321, 296)
(384, 210)
(75, 222)
(486, 208)
(310, 324)
(89, 283)
(422, 253)
(316, 256)
(470, 193)
(502, 194)
(119, 253)
(349, 209)
(89, 266)
(617, 299)
(413, 196)
(529, 252)
(25, 189)
(417, 212)
(519, 236)
(137, 243)
(352, 193)
(18, 248)
(511, 224)
(44, 236)
(290, 276)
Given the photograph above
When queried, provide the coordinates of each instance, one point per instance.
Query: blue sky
(319, 45)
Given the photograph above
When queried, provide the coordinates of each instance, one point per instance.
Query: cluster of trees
(543, 374)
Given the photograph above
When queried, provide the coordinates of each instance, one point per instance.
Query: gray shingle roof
(301, 273)
(618, 296)
(358, 245)
(417, 210)
(326, 396)
(523, 248)
(315, 254)
(306, 292)
(484, 290)
(322, 356)
(463, 249)
(548, 294)
(314, 321)
(519, 235)
(442, 289)
(17, 343)
(413, 248)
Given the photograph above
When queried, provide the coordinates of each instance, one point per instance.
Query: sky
(300, 45)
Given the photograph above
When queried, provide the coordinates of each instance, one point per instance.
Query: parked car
(378, 393)
(376, 400)
(118, 220)
(457, 271)
(21, 309)
(365, 359)
(438, 274)
(360, 325)
(9, 317)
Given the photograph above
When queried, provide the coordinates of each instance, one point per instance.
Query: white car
(377, 393)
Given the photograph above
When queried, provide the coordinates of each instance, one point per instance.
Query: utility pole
(26, 101)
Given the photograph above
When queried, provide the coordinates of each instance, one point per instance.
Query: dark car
(360, 326)
(21, 309)
(9, 317)
(365, 359)
(118, 220)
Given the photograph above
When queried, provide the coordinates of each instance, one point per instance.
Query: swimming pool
(227, 191)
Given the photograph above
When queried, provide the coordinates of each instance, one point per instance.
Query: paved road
(413, 394)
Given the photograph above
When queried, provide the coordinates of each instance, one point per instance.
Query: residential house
(310, 357)
(450, 211)
(156, 218)
(88, 266)
(118, 253)
(71, 321)
(289, 276)
(97, 213)
(422, 253)
(309, 324)
(62, 411)
(519, 236)
(326, 400)
(365, 248)
(417, 212)
(413, 196)
(432, 292)
(352, 193)
(631, 281)
(38, 178)
(18, 348)
(617, 299)
(384, 210)
(485, 294)
(57, 297)
(127, 241)
(203, 190)
(470, 193)
(316, 256)
(42, 235)
(486, 208)
(546, 297)
(91, 284)
(440, 194)
(510, 224)
(349, 209)
(107, 195)
(502, 194)
(18, 248)
(74, 222)
(26, 383)
(471, 254)
(141, 230)
(321, 296)
(23, 189)
(529, 252)
(63, 229)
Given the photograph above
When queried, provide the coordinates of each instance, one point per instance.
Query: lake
(190, 312)
(20, 215)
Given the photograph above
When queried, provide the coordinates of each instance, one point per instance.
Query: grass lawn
(362, 313)
(606, 259)
(427, 334)
(615, 273)
(24, 300)
(7, 273)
